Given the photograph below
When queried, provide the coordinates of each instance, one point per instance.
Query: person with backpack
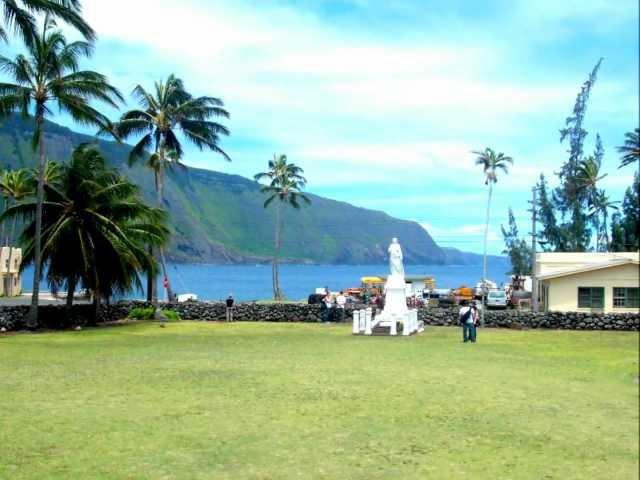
(468, 317)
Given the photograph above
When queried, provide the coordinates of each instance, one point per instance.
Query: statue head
(394, 240)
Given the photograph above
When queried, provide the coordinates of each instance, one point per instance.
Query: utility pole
(534, 241)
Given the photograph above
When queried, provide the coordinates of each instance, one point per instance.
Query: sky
(382, 102)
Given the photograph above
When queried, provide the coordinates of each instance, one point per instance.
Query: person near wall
(229, 303)
(468, 316)
(326, 308)
(341, 301)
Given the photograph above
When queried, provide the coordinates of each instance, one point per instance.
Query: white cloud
(360, 111)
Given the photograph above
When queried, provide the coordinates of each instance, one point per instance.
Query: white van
(496, 299)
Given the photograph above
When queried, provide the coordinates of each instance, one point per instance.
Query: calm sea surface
(215, 282)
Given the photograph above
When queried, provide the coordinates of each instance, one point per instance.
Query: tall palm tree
(285, 184)
(95, 229)
(50, 75)
(631, 149)
(491, 162)
(162, 115)
(20, 16)
(601, 205)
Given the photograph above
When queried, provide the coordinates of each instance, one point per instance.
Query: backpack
(465, 316)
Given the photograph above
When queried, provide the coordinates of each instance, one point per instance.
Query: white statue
(395, 258)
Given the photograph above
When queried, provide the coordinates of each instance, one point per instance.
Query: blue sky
(381, 102)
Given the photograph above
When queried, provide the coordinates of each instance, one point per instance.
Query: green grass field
(280, 401)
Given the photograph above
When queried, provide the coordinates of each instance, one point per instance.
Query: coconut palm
(20, 16)
(14, 185)
(600, 207)
(587, 179)
(631, 149)
(588, 176)
(285, 184)
(95, 229)
(168, 111)
(50, 75)
(491, 162)
(52, 174)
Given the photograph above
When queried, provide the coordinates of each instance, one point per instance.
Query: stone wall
(12, 318)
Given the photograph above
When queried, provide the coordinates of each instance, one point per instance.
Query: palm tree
(631, 149)
(15, 186)
(588, 175)
(19, 16)
(600, 207)
(95, 229)
(491, 162)
(50, 75)
(285, 185)
(162, 115)
(587, 179)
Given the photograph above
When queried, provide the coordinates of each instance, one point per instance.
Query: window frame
(591, 304)
(628, 300)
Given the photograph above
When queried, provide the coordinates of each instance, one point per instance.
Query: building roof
(589, 267)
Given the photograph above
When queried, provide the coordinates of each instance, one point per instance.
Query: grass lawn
(279, 401)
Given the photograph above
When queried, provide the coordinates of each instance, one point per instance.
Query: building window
(625, 297)
(591, 297)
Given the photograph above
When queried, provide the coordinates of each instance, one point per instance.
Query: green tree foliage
(20, 16)
(625, 225)
(565, 213)
(516, 248)
(96, 229)
(631, 149)
(162, 115)
(286, 181)
(48, 75)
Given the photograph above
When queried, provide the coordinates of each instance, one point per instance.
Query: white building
(589, 282)
(10, 278)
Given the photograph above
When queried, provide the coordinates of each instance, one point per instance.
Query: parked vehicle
(463, 293)
(488, 285)
(496, 299)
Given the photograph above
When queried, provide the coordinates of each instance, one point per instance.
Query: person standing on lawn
(468, 316)
(341, 301)
(326, 307)
(229, 303)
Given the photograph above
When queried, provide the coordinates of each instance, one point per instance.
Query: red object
(165, 282)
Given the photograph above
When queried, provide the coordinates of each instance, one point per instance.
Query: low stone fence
(57, 317)
(523, 319)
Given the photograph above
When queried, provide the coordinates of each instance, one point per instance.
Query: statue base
(395, 311)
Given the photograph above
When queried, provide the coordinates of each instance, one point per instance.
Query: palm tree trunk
(151, 282)
(484, 259)
(93, 321)
(160, 199)
(32, 317)
(71, 289)
(277, 294)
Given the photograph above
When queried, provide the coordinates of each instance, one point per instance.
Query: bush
(147, 313)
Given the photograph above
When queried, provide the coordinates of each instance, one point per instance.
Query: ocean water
(249, 282)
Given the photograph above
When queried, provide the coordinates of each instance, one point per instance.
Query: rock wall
(57, 317)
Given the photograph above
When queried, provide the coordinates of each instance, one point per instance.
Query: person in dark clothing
(229, 312)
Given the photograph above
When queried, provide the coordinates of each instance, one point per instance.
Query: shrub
(147, 313)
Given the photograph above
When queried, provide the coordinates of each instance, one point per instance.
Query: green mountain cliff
(219, 218)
